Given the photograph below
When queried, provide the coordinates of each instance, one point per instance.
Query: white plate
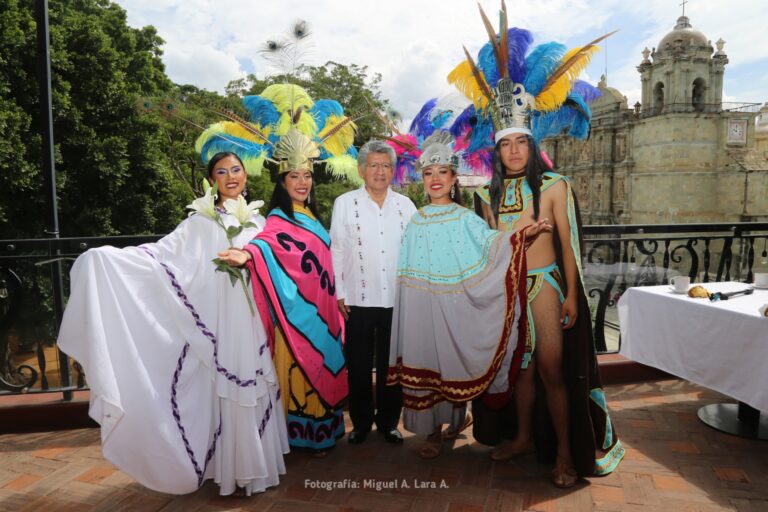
(677, 291)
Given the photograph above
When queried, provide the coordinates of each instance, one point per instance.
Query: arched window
(697, 94)
(658, 98)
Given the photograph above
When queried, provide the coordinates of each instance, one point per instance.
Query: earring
(309, 199)
(453, 192)
(245, 193)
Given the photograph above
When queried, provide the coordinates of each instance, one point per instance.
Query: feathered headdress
(434, 115)
(285, 125)
(280, 110)
(517, 91)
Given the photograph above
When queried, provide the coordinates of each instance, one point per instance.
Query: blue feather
(574, 116)
(587, 91)
(217, 144)
(440, 118)
(352, 151)
(422, 124)
(581, 116)
(486, 62)
(541, 63)
(482, 134)
(519, 40)
(461, 123)
(262, 111)
(324, 155)
(323, 109)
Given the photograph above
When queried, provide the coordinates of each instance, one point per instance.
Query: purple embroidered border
(207, 332)
(177, 416)
(230, 376)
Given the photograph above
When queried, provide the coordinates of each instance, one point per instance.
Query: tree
(112, 176)
(350, 85)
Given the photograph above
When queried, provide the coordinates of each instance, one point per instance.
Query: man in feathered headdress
(519, 99)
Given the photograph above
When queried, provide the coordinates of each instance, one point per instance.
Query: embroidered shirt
(365, 243)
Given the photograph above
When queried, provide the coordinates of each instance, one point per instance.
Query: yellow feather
(287, 97)
(554, 94)
(464, 80)
(344, 166)
(306, 125)
(338, 143)
(239, 131)
(254, 165)
(209, 132)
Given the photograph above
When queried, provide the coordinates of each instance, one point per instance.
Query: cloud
(184, 66)
(414, 44)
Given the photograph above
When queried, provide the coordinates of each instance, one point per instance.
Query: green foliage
(415, 192)
(326, 194)
(350, 85)
(111, 171)
(121, 168)
(112, 176)
(467, 199)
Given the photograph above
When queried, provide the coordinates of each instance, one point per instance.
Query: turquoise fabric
(455, 248)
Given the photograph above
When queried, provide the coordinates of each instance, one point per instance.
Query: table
(721, 345)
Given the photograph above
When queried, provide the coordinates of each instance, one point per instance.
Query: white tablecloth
(721, 345)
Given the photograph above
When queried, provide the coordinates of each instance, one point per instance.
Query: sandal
(564, 476)
(450, 434)
(432, 447)
(239, 492)
(510, 450)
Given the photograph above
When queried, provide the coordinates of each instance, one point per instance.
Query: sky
(414, 44)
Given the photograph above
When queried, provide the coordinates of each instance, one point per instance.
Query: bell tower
(683, 73)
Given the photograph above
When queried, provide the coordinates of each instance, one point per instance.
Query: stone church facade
(680, 155)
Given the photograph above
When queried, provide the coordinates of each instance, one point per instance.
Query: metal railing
(615, 257)
(689, 107)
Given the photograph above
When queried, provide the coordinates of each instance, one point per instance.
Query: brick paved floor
(673, 463)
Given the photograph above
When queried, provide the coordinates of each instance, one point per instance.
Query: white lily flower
(204, 205)
(241, 210)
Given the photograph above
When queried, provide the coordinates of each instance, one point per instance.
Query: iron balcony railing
(615, 257)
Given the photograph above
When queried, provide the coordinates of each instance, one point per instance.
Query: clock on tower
(737, 131)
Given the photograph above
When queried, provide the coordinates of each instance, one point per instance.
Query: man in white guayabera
(366, 231)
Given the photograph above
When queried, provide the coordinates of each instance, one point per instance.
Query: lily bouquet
(242, 211)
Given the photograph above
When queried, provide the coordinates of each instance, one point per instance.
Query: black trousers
(367, 332)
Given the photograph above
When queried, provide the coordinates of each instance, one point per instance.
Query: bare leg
(549, 360)
(525, 395)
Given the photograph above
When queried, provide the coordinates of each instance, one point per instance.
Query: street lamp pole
(49, 170)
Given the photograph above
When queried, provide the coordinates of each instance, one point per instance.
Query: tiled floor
(673, 463)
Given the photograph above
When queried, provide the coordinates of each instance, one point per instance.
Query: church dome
(685, 34)
(609, 96)
(613, 95)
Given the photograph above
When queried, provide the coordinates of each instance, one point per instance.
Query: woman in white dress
(179, 368)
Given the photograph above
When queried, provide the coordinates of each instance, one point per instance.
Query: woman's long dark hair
(281, 199)
(456, 190)
(456, 193)
(535, 167)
